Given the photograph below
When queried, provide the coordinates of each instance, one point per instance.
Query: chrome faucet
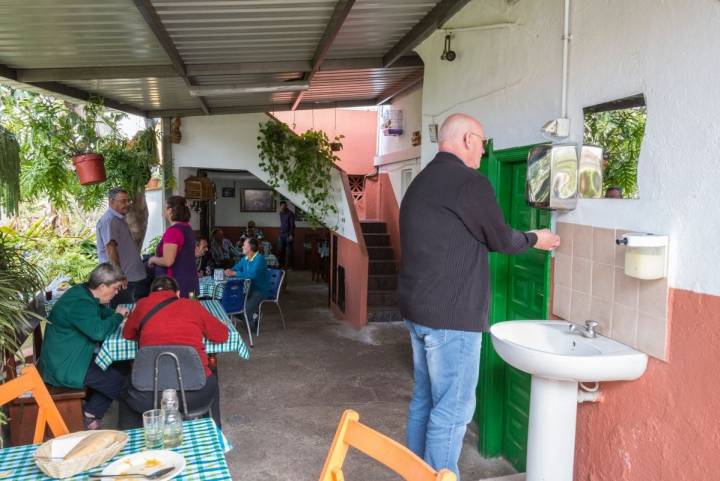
(587, 331)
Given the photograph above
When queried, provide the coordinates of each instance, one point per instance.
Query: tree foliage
(303, 162)
(10, 167)
(50, 132)
(620, 134)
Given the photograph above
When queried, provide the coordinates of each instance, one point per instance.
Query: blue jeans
(446, 366)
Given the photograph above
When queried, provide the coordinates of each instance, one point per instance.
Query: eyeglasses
(483, 139)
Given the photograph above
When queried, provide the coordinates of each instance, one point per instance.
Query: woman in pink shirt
(176, 251)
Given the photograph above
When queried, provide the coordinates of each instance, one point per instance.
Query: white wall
(397, 153)
(230, 142)
(510, 79)
(410, 103)
(227, 209)
(156, 222)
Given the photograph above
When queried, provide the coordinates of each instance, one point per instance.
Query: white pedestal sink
(558, 360)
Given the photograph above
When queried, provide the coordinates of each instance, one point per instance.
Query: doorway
(520, 288)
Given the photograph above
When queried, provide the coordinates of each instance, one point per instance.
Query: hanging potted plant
(84, 142)
(304, 164)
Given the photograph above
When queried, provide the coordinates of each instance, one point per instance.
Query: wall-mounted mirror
(590, 172)
(552, 177)
(618, 128)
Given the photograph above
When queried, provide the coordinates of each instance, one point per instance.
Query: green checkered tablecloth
(203, 447)
(117, 348)
(207, 287)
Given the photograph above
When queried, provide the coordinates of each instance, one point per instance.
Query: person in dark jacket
(176, 251)
(444, 285)
(185, 323)
(287, 234)
(79, 322)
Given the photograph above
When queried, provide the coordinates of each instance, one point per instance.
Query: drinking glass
(154, 426)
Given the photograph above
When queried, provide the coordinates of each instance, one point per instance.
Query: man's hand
(229, 273)
(546, 239)
(123, 311)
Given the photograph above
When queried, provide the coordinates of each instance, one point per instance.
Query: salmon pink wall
(381, 204)
(358, 126)
(666, 425)
(353, 256)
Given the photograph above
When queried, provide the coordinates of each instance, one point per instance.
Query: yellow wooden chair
(48, 413)
(390, 453)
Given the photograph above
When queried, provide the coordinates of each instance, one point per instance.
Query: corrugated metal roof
(244, 31)
(151, 94)
(51, 34)
(75, 33)
(373, 26)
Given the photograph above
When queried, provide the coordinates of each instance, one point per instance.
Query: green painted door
(520, 291)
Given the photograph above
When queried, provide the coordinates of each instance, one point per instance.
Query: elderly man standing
(444, 285)
(116, 245)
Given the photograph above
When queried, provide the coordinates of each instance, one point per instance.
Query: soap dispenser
(645, 255)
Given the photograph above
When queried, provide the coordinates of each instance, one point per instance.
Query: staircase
(382, 274)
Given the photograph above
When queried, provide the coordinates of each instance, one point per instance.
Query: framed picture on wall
(258, 200)
(228, 191)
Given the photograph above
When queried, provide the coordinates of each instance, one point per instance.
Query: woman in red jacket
(183, 322)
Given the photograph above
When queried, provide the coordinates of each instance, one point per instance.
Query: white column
(551, 430)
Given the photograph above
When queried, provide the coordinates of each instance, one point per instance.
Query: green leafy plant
(20, 282)
(152, 245)
(620, 134)
(72, 254)
(304, 163)
(50, 132)
(10, 167)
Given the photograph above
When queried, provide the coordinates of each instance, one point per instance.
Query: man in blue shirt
(116, 245)
(252, 266)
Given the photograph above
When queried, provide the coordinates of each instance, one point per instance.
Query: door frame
(490, 411)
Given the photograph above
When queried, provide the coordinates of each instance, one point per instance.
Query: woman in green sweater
(79, 322)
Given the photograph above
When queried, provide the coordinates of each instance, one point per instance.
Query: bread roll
(92, 443)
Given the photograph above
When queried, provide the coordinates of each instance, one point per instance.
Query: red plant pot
(90, 168)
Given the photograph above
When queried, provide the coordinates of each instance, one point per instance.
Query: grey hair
(112, 193)
(105, 274)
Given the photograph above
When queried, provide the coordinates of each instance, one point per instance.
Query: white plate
(148, 462)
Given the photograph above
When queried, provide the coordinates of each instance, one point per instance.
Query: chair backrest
(233, 297)
(398, 458)
(191, 368)
(48, 414)
(276, 279)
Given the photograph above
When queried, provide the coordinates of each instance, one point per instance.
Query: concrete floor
(280, 409)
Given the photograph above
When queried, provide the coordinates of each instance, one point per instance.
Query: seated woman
(79, 321)
(185, 323)
(253, 267)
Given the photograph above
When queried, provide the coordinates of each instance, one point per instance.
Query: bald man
(449, 221)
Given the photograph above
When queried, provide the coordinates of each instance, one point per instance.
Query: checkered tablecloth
(208, 287)
(203, 447)
(117, 348)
